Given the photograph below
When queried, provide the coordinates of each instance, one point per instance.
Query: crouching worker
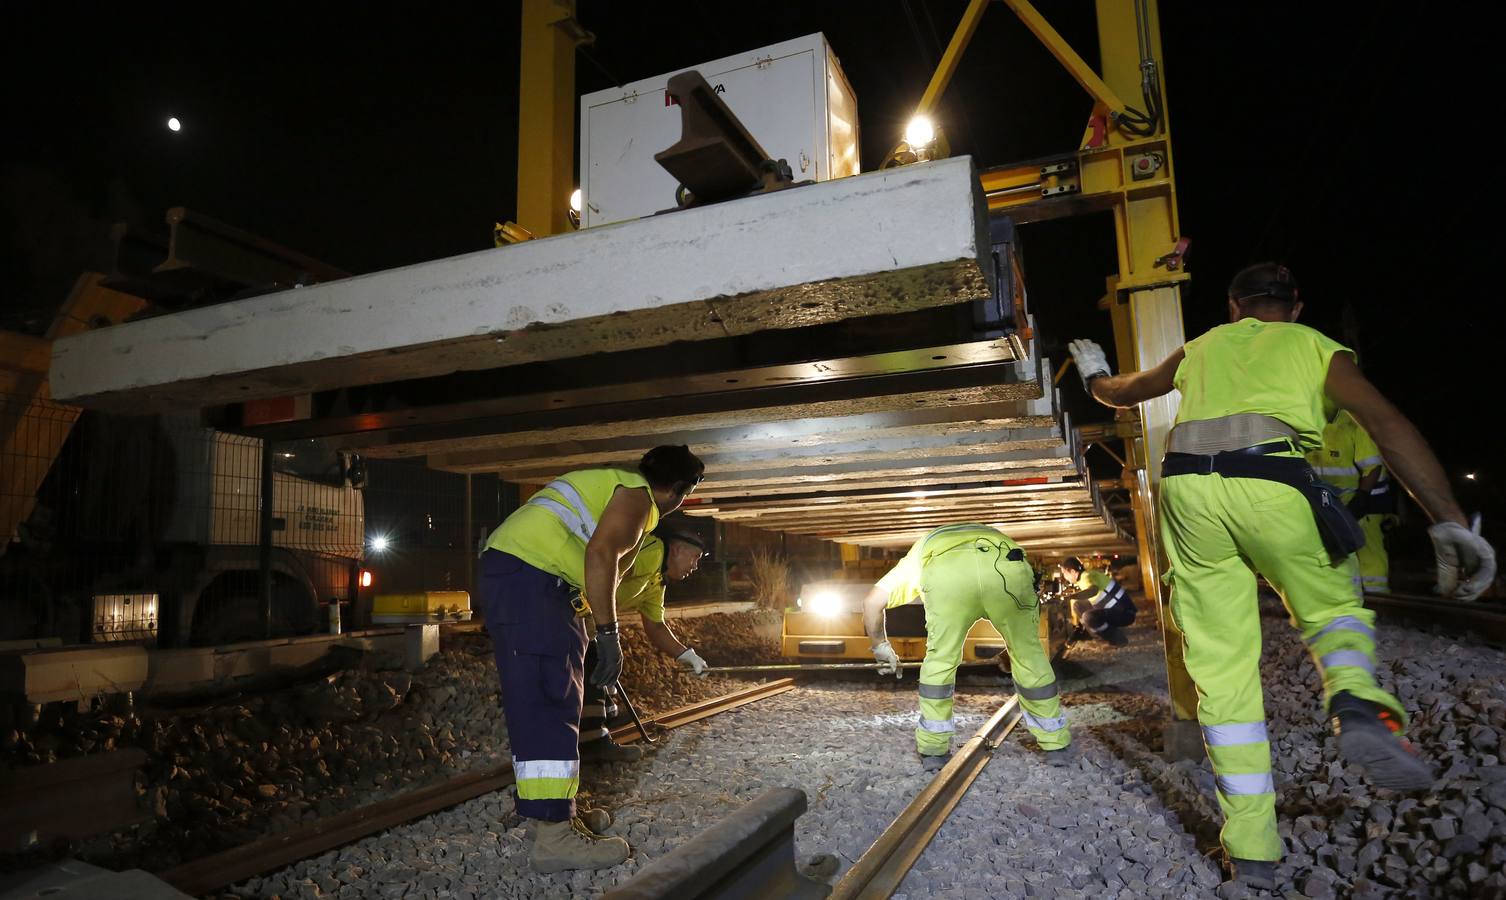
(1101, 606)
(962, 573)
(672, 553)
(574, 536)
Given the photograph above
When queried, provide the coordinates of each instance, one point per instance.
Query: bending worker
(574, 537)
(1237, 498)
(1350, 461)
(962, 573)
(671, 553)
(1102, 607)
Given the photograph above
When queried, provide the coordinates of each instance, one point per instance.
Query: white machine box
(791, 96)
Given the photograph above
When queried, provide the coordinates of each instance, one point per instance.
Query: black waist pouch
(1338, 527)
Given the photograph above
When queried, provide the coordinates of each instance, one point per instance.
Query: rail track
(1481, 619)
(220, 870)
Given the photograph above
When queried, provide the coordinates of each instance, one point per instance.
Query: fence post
(264, 556)
(468, 543)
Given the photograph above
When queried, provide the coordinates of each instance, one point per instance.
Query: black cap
(681, 528)
(1072, 562)
(1267, 280)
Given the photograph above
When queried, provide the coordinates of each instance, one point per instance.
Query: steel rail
(881, 869)
(1482, 618)
(220, 870)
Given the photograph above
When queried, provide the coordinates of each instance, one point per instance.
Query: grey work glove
(692, 661)
(888, 660)
(608, 656)
(1090, 361)
(1461, 552)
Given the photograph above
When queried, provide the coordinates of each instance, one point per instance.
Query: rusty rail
(72, 798)
(1483, 619)
(220, 870)
(883, 866)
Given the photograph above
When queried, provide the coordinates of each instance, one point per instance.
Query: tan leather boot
(558, 846)
(595, 821)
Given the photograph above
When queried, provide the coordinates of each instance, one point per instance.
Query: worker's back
(1276, 369)
(551, 530)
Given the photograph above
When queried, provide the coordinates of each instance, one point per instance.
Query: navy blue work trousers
(540, 645)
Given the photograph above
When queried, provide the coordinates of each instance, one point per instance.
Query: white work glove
(1089, 359)
(692, 661)
(1461, 551)
(888, 660)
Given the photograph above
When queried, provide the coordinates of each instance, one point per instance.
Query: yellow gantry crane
(1123, 164)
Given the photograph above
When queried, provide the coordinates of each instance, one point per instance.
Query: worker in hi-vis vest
(1100, 604)
(962, 573)
(573, 539)
(1237, 498)
(672, 553)
(1350, 461)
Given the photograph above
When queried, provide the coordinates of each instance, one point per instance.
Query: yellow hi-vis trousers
(1218, 533)
(1375, 563)
(958, 588)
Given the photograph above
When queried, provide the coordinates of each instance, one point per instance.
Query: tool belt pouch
(1337, 526)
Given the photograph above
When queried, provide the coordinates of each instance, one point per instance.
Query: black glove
(608, 656)
(1359, 506)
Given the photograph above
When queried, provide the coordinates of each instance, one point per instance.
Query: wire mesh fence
(158, 528)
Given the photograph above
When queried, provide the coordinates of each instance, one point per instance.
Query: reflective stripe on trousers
(935, 726)
(1044, 723)
(1343, 623)
(1234, 734)
(1357, 658)
(1044, 692)
(1247, 784)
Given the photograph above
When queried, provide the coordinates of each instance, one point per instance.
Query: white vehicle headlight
(824, 603)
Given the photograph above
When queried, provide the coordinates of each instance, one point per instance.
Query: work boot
(558, 846)
(934, 762)
(1255, 873)
(1369, 737)
(1116, 636)
(608, 750)
(596, 821)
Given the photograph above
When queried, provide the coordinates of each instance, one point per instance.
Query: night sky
(1347, 142)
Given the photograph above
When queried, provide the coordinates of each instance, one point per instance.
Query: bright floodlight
(1470, 475)
(174, 125)
(920, 131)
(825, 603)
(575, 200)
(379, 543)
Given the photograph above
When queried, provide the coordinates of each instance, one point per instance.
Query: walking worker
(1237, 498)
(1102, 607)
(962, 573)
(1350, 461)
(671, 553)
(572, 539)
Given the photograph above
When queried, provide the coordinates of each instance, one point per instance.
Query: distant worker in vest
(1101, 606)
(575, 538)
(1237, 498)
(1350, 461)
(962, 573)
(672, 553)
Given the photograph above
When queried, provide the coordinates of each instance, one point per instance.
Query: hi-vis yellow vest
(1277, 369)
(551, 530)
(903, 581)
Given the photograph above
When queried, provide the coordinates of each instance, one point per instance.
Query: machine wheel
(229, 610)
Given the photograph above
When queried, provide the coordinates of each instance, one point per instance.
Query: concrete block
(420, 643)
(884, 242)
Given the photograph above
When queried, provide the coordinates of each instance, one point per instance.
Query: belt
(1244, 462)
